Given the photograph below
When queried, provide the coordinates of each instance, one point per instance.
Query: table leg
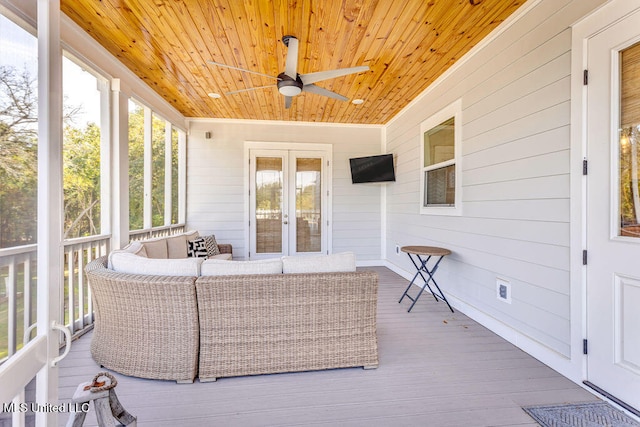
(418, 273)
(440, 294)
(419, 270)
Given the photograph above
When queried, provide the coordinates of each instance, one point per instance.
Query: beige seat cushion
(169, 247)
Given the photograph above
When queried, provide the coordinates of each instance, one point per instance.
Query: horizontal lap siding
(215, 186)
(515, 142)
(216, 181)
(357, 209)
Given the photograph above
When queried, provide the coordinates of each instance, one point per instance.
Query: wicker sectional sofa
(183, 327)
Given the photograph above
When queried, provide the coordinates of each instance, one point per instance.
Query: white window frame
(452, 110)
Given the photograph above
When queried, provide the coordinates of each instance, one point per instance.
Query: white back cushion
(124, 262)
(133, 248)
(218, 267)
(228, 257)
(344, 261)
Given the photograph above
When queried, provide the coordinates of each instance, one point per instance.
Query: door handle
(67, 335)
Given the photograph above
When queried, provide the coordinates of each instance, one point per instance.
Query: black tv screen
(372, 169)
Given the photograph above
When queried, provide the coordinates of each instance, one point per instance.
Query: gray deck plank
(437, 368)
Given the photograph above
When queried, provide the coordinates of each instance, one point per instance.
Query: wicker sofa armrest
(225, 248)
(145, 326)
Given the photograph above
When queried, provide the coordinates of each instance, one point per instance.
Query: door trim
(588, 27)
(289, 146)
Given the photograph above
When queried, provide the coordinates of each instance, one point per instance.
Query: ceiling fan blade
(247, 90)
(241, 69)
(291, 67)
(322, 91)
(287, 101)
(330, 74)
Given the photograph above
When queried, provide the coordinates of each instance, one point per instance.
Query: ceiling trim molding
(282, 122)
(504, 26)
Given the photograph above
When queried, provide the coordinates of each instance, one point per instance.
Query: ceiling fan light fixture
(289, 90)
(288, 86)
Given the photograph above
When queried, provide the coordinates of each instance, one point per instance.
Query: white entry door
(288, 202)
(613, 210)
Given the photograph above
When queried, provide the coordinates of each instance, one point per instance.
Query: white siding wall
(216, 200)
(515, 95)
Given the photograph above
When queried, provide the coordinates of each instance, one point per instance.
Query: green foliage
(269, 197)
(18, 158)
(157, 171)
(81, 181)
(81, 162)
(136, 168)
(174, 177)
(629, 140)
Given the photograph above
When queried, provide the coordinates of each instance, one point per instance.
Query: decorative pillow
(212, 245)
(344, 261)
(217, 267)
(205, 246)
(196, 248)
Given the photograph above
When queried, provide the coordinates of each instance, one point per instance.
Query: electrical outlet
(503, 290)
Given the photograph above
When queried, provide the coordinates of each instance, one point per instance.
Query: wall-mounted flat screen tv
(372, 169)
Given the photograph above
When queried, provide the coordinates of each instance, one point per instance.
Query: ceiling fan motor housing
(285, 40)
(288, 86)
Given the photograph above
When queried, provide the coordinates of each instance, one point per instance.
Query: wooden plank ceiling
(406, 43)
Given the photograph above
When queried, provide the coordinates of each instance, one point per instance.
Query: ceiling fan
(290, 83)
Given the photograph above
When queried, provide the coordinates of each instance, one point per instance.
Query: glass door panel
(269, 181)
(308, 188)
(629, 126)
(288, 202)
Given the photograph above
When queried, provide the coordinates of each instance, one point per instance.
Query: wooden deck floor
(436, 369)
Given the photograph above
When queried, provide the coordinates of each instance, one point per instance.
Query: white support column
(119, 165)
(182, 177)
(168, 155)
(50, 261)
(105, 156)
(148, 168)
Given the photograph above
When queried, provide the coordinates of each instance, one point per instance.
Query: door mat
(580, 415)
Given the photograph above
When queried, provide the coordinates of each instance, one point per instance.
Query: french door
(289, 201)
(613, 210)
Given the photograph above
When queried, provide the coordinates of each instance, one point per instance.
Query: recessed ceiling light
(214, 95)
(357, 101)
